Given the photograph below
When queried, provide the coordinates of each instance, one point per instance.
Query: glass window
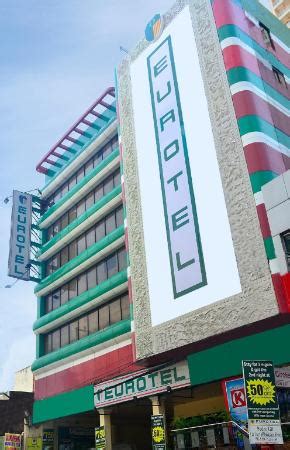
(72, 250)
(48, 307)
(64, 189)
(115, 311)
(56, 227)
(72, 214)
(55, 340)
(73, 331)
(80, 174)
(47, 343)
(119, 217)
(81, 242)
(286, 246)
(108, 185)
(72, 289)
(90, 200)
(56, 299)
(64, 256)
(110, 223)
(83, 327)
(99, 192)
(100, 230)
(64, 335)
(101, 272)
(81, 207)
(72, 182)
(93, 322)
(125, 306)
(92, 278)
(107, 150)
(89, 166)
(64, 221)
(112, 265)
(117, 178)
(50, 232)
(104, 317)
(55, 263)
(122, 259)
(91, 237)
(82, 283)
(98, 158)
(64, 294)
(57, 195)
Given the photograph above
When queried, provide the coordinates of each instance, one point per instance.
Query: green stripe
(111, 332)
(269, 247)
(228, 31)
(115, 154)
(80, 259)
(258, 179)
(82, 299)
(253, 123)
(63, 405)
(238, 74)
(86, 215)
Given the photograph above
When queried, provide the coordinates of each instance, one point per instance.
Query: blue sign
(154, 28)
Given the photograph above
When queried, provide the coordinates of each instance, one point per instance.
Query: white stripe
(128, 271)
(132, 326)
(125, 223)
(259, 198)
(80, 268)
(274, 266)
(84, 226)
(81, 193)
(83, 309)
(86, 355)
(256, 136)
(247, 86)
(80, 160)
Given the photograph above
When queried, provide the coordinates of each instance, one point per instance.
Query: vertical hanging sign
(100, 438)
(263, 409)
(158, 432)
(19, 252)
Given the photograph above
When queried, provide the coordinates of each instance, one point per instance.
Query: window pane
(97, 159)
(56, 227)
(122, 259)
(99, 192)
(55, 340)
(64, 336)
(101, 272)
(82, 283)
(91, 237)
(48, 303)
(73, 331)
(112, 265)
(89, 166)
(104, 317)
(64, 221)
(72, 214)
(100, 231)
(117, 178)
(72, 289)
(55, 263)
(93, 322)
(81, 208)
(108, 185)
(72, 250)
(125, 307)
(119, 217)
(115, 311)
(80, 174)
(90, 200)
(64, 294)
(83, 327)
(72, 182)
(64, 256)
(57, 196)
(81, 244)
(64, 189)
(56, 299)
(106, 150)
(49, 233)
(92, 278)
(47, 343)
(110, 223)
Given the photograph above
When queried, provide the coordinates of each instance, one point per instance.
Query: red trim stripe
(261, 157)
(282, 293)
(263, 219)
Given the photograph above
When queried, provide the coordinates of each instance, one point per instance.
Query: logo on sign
(238, 398)
(154, 28)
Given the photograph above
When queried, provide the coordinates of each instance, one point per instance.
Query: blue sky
(56, 58)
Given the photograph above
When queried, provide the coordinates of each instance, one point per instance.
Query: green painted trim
(114, 155)
(269, 247)
(253, 123)
(39, 346)
(63, 405)
(111, 332)
(225, 360)
(82, 299)
(80, 259)
(92, 210)
(40, 306)
(238, 74)
(228, 31)
(258, 179)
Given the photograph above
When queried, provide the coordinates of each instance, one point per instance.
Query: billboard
(19, 251)
(190, 211)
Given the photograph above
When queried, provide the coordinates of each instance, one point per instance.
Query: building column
(158, 406)
(105, 421)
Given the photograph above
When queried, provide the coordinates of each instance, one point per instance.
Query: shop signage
(34, 443)
(154, 28)
(100, 436)
(282, 377)
(48, 437)
(142, 384)
(236, 400)
(263, 410)
(12, 441)
(158, 432)
(19, 252)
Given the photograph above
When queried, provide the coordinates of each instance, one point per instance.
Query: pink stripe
(261, 157)
(263, 219)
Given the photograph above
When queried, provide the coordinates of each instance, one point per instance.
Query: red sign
(238, 398)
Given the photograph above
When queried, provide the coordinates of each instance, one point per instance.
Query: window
(108, 185)
(89, 166)
(286, 245)
(99, 192)
(81, 244)
(72, 250)
(72, 182)
(81, 207)
(72, 289)
(279, 76)
(119, 217)
(92, 278)
(64, 189)
(64, 335)
(115, 311)
(122, 259)
(266, 35)
(100, 230)
(48, 343)
(83, 327)
(80, 174)
(104, 317)
(49, 306)
(74, 331)
(117, 178)
(110, 223)
(91, 237)
(82, 283)
(64, 294)
(101, 272)
(56, 299)
(112, 265)
(64, 256)
(55, 340)
(72, 214)
(93, 322)
(90, 200)
(125, 307)
(64, 221)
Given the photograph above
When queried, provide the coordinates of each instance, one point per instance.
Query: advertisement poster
(262, 405)
(48, 439)
(158, 432)
(100, 436)
(12, 441)
(236, 399)
(34, 443)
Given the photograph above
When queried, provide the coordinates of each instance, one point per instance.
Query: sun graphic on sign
(158, 434)
(261, 392)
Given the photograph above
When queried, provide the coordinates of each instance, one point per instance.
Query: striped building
(85, 328)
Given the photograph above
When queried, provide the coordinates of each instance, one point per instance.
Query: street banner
(236, 400)
(263, 410)
(12, 441)
(158, 432)
(100, 436)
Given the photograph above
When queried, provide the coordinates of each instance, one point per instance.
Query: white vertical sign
(19, 253)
